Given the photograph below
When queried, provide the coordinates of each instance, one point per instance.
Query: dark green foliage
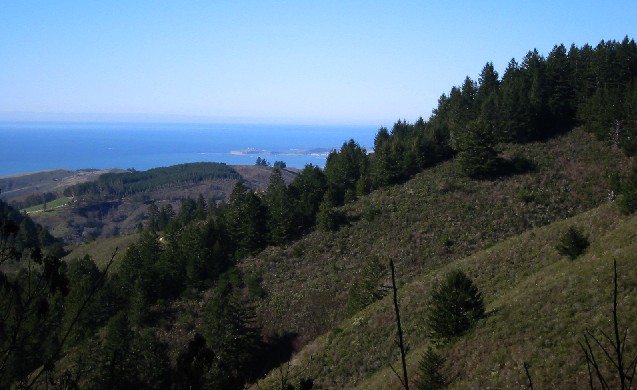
(83, 276)
(304, 384)
(455, 306)
(404, 151)
(138, 269)
(231, 334)
(369, 287)
(476, 150)
(189, 250)
(280, 164)
(343, 169)
(19, 232)
(261, 162)
(627, 198)
(307, 191)
(573, 243)
(128, 359)
(280, 213)
(329, 218)
(116, 185)
(606, 101)
(31, 314)
(166, 215)
(429, 370)
(31, 298)
(193, 363)
(152, 215)
(245, 221)
(154, 268)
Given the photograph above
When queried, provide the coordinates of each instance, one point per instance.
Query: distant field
(59, 202)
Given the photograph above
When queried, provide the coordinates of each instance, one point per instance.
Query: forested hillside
(219, 294)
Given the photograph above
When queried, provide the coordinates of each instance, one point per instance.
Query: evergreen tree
(344, 168)
(429, 368)
(232, 336)
(307, 191)
(153, 217)
(126, 359)
(516, 116)
(187, 211)
(456, 304)
(279, 206)
(561, 91)
(476, 150)
(245, 221)
(201, 209)
(83, 275)
(329, 218)
(573, 243)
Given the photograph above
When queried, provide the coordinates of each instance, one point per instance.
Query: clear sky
(338, 62)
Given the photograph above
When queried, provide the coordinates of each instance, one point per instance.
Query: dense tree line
(120, 184)
(595, 87)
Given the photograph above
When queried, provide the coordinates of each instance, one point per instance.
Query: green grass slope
(437, 217)
(101, 250)
(538, 305)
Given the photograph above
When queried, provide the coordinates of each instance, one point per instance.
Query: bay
(37, 146)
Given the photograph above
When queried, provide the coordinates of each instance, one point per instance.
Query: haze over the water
(328, 62)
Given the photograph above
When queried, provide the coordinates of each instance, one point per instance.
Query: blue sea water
(36, 146)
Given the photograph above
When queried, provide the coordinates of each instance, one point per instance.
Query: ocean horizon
(40, 146)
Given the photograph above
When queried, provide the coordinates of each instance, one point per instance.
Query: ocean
(37, 146)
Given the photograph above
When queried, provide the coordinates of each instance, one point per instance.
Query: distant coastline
(291, 152)
(44, 146)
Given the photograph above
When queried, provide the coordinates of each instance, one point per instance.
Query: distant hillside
(100, 213)
(122, 184)
(19, 186)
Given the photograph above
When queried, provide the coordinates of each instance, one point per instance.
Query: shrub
(573, 243)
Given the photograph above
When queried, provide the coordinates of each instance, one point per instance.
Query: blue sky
(336, 62)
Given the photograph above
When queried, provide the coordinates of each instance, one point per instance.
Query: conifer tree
(278, 203)
(476, 150)
(456, 304)
(429, 368)
(231, 335)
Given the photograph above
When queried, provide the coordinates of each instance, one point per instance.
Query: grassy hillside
(101, 250)
(437, 217)
(538, 305)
